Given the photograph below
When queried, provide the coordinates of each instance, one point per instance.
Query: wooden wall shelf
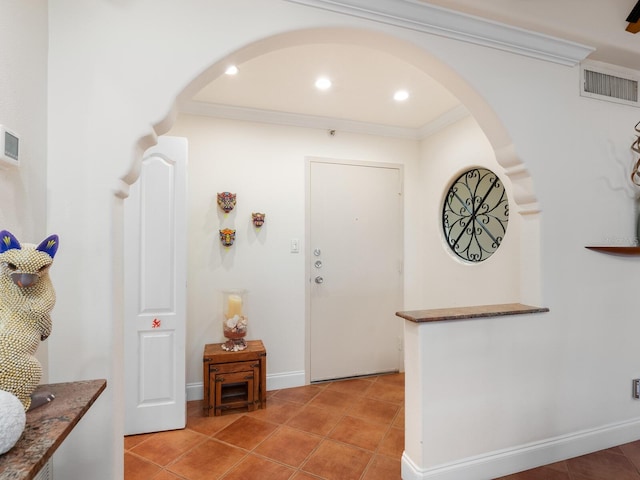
(627, 251)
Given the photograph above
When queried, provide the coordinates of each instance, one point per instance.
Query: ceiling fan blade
(634, 19)
(634, 16)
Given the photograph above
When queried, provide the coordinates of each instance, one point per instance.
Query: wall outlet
(636, 388)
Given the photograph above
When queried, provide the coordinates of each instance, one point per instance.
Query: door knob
(319, 279)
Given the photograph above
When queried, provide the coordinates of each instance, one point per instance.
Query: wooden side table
(234, 380)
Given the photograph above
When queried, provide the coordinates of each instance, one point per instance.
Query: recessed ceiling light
(232, 70)
(323, 83)
(401, 95)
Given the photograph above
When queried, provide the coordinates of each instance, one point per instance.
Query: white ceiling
(364, 79)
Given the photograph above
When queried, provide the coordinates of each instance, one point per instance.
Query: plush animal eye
(11, 266)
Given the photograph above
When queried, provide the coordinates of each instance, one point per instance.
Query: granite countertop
(48, 426)
(459, 313)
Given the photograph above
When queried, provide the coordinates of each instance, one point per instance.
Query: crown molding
(443, 121)
(422, 17)
(247, 114)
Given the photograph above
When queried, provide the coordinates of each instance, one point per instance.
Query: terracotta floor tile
(299, 394)
(359, 432)
(289, 445)
(136, 468)
(383, 468)
(304, 476)
(194, 408)
(391, 378)
(210, 425)
(353, 386)
(315, 420)
(164, 475)
(393, 443)
(164, 447)
(208, 461)
(398, 421)
(374, 410)
(542, 473)
(256, 468)
(337, 461)
(603, 465)
(337, 401)
(307, 433)
(277, 411)
(559, 466)
(131, 441)
(387, 392)
(632, 452)
(246, 432)
(575, 476)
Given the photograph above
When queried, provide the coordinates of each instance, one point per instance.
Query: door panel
(356, 236)
(155, 291)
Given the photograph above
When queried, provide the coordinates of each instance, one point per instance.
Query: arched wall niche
(523, 193)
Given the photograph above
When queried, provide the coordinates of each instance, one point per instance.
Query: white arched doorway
(495, 134)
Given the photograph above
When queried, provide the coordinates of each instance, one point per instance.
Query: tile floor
(345, 430)
(617, 463)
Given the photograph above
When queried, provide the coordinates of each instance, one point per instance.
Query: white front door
(355, 242)
(155, 252)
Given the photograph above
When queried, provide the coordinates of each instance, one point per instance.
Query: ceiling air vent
(612, 85)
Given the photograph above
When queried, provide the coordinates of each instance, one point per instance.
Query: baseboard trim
(512, 460)
(276, 381)
(195, 391)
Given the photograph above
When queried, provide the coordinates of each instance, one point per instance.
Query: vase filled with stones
(234, 320)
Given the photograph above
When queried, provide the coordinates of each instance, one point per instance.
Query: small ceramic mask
(227, 236)
(227, 201)
(258, 219)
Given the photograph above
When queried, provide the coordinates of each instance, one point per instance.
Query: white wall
(531, 389)
(265, 166)
(23, 109)
(447, 280)
(109, 90)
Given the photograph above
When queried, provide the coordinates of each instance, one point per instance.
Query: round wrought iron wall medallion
(475, 214)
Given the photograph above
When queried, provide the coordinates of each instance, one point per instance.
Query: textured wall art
(258, 219)
(227, 201)
(227, 236)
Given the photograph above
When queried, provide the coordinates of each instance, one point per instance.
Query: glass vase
(234, 320)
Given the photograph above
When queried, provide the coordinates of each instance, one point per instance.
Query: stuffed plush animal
(26, 299)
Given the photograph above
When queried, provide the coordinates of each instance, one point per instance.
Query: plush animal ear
(49, 245)
(8, 241)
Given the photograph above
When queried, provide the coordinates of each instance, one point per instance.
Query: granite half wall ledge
(47, 427)
(461, 313)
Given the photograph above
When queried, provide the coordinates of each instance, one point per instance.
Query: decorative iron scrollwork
(475, 214)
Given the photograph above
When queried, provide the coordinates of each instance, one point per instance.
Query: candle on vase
(234, 306)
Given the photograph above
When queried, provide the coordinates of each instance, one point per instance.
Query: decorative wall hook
(258, 219)
(227, 201)
(227, 236)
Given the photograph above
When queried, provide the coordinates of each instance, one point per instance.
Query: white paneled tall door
(355, 264)
(155, 291)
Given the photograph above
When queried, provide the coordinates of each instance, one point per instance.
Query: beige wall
(23, 110)
(265, 165)
(109, 91)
